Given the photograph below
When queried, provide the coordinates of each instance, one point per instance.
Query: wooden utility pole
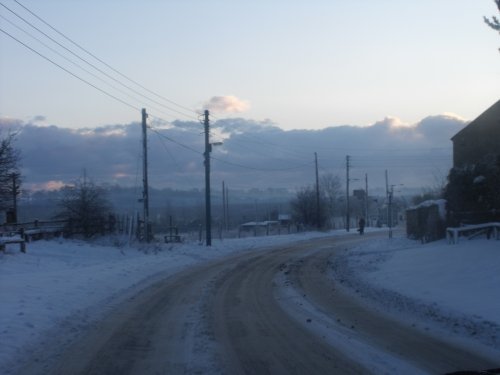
(318, 213)
(348, 218)
(15, 192)
(224, 214)
(366, 199)
(227, 208)
(208, 148)
(145, 191)
(389, 203)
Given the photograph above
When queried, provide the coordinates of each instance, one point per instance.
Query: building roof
(488, 118)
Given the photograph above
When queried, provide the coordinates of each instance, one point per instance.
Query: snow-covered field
(70, 284)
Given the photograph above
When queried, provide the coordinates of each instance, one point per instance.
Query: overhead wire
(226, 161)
(69, 72)
(264, 148)
(261, 169)
(174, 141)
(259, 152)
(258, 140)
(177, 165)
(86, 81)
(94, 66)
(101, 61)
(79, 66)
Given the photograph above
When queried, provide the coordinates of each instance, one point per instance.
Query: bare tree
(10, 176)
(330, 188)
(304, 207)
(85, 207)
(494, 22)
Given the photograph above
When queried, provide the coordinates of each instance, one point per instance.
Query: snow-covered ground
(70, 284)
(450, 290)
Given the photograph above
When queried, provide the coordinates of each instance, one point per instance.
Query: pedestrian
(361, 223)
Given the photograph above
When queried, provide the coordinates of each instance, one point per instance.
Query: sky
(297, 64)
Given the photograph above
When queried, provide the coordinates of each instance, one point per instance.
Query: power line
(103, 62)
(78, 65)
(229, 162)
(406, 165)
(93, 65)
(69, 72)
(174, 141)
(262, 169)
(264, 148)
(77, 76)
(260, 151)
(257, 140)
(171, 156)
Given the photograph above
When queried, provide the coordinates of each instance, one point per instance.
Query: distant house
(479, 140)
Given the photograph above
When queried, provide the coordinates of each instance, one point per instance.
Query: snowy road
(271, 311)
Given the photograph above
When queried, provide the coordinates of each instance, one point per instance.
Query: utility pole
(347, 192)
(391, 194)
(227, 208)
(15, 192)
(389, 203)
(224, 217)
(366, 198)
(318, 213)
(208, 213)
(145, 191)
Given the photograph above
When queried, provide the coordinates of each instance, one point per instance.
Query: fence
(34, 230)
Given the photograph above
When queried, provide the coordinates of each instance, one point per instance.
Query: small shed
(426, 222)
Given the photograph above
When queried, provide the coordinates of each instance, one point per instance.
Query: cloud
(254, 154)
(394, 123)
(38, 118)
(8, 123)
(453, 116)
(227, 104)
(47, 186)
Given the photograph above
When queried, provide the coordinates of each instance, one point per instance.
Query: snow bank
(449, 287)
